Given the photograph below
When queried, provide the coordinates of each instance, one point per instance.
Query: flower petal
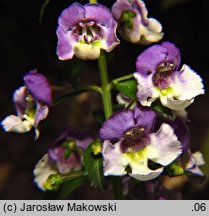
(120, 6)
(196, 159)
(39, 87)
(124, 100)
(173, 54)
(152, 32)
(42, 171)
(87, 51)
(114, 127)
(164, 147)
(113, 163)
(65, 44)
(144, 117)
(71, 16)
(14, 123)
(175, 104)
(148, 61)
(145, 89)
(187, 83)
(19, 101)
(64, 165)
(41, 113)
(149, 175)
(103, 18)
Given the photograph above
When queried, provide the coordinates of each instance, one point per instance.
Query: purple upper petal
(134, 5)
(103, 18)
(39, 87)
(148, 61)
(173, 54)
(145, 118)
(114, 127)
(64, 46)
(71, 16)
(142, 10)
(151, 58)
(120, 6)
(120, 122)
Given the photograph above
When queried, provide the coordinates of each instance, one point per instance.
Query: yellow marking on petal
(137, 157)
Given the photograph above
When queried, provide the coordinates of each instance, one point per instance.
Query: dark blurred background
(26, 44)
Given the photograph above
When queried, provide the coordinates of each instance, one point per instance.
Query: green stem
(72, 175)
(126, 77)
(106, 97)
(78, 91)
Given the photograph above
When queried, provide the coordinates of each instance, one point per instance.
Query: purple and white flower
(158, 76)
(84, 30)
(64, 156)
(130, 144)
(195, 160)
(134, 26)
(32, 102)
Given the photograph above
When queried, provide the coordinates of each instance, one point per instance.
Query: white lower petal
(152, 32)
(122, 99)
(87, 51)
(187, 83)
(14, 123)
(149, 175)
(164, 147)
(198, 158)
(146, 93)
(42, 171)
(175, 104)
(113, 161)
(180, 113)
(138, 163)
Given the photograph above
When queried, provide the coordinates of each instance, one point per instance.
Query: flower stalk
(107, 103)
(106, 97)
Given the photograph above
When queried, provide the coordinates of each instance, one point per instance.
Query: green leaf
(174, 169)
(93, 166)
(127, 88)
(72, 71)
(69, 186)
(157, 105)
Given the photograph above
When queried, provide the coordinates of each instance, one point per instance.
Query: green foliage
(69, 186)
(157, 105)
(127, 88)
(174, 169)
(93, 166)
